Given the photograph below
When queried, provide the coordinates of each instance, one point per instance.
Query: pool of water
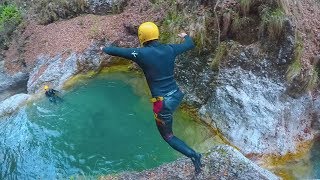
(307, 167)
(102, 126)
(315, 159)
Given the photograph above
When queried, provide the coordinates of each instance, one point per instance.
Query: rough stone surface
(195, 78)
(286, 50)
(256, 115)
(13, 103)
(316, 115)
(247, 100)
(223, 162)
(12, 84)
(56, 71)
(103, 7)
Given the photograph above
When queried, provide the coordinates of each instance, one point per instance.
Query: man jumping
(157, 62)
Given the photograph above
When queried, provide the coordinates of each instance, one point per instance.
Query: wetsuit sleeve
(185, 46)
(52, 92)
(128, 53)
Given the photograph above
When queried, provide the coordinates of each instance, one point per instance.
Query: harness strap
(155, 99)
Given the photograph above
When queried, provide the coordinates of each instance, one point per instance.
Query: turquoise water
(102, 126)
(307, 167)
(315, 159)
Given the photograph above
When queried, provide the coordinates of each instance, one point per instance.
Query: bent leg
(164, 125)
(165, 129)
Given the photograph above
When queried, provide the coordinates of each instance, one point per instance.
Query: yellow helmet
(148, 31)
(46, 87)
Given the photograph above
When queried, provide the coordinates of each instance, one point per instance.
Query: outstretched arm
(185, 46)
(128, 53)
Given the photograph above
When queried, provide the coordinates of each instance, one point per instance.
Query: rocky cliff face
(245, 95)
(223, 162)
(247, 98)
(55, 71)
(10, 105)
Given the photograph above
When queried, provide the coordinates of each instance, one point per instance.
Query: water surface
(102, 126)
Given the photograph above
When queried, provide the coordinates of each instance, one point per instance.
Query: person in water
(157, 62)
(52, 94)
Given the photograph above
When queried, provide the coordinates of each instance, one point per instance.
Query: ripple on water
(101, 127)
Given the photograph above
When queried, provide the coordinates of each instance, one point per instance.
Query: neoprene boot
(196, 160)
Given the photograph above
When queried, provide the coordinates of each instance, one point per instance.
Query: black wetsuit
(51, 94)
(157, 62)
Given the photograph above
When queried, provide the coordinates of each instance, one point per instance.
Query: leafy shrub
(273, 20)
(10, 18)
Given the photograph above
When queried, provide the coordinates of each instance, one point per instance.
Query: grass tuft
(284, 5)
(184, 21)
(313, 79)
(295, 68)
(273, 20)
(220, 53)
(245, 6)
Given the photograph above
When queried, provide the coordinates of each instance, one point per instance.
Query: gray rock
(56, 71)
(223, 162)
(12, 104)
(316, 114)
(256, 115)
(12, 84)
(195, 78)
(247, 100)
(103, 7)
(286, 50)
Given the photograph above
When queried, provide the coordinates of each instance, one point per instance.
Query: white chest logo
(134, 54)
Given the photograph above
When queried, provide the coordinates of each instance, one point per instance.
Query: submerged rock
(13, 103)
(223, 162)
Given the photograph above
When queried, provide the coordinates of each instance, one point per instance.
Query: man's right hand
(182, 35)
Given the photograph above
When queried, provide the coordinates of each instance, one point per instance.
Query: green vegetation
(245, 6)
(158, 4)
(94, 30)
(313, 78)
(220, 53)
(197, 29)
(309, 78)
(182, 18)
(295, 68)
(184, 21)
(284, 5)
(239, 22)
(272, 20)
(236, 22)
(49, 11)
(9, 13)
(10, 18)
(171, 26)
